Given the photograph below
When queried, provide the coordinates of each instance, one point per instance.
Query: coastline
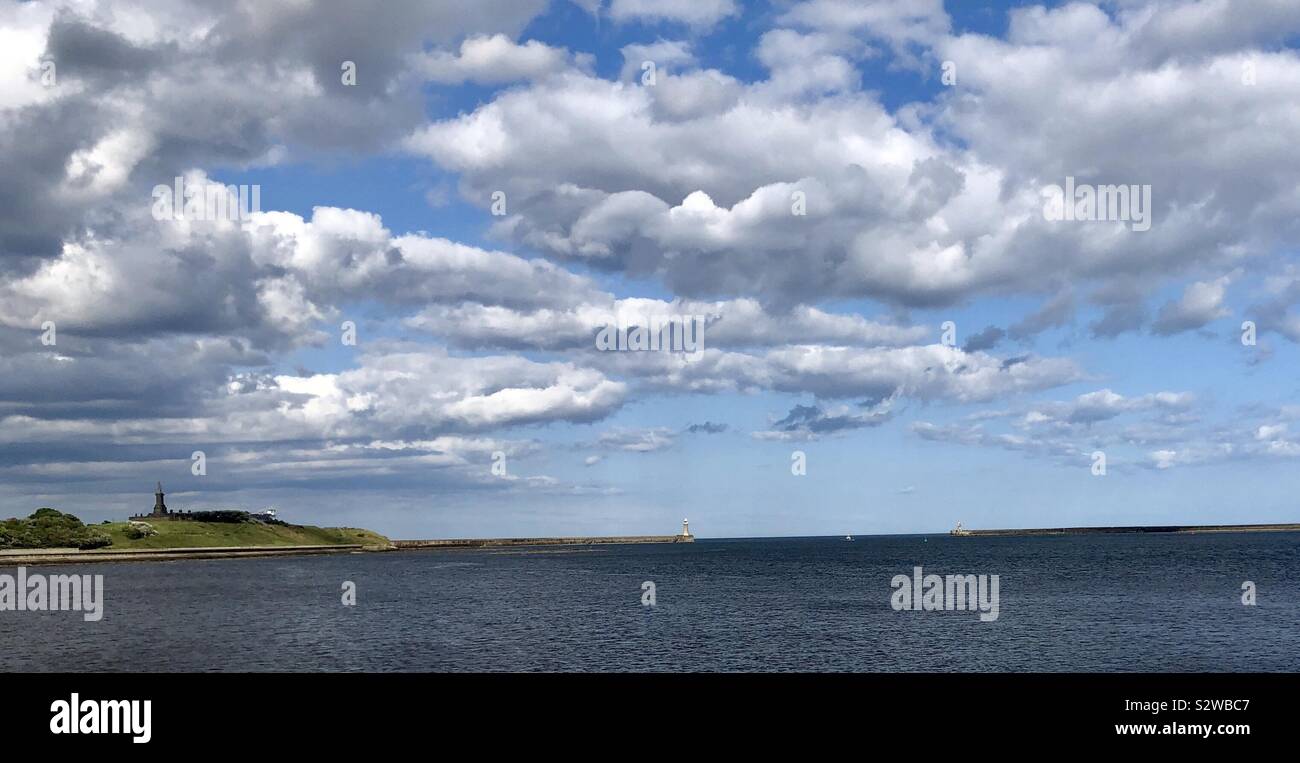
(49, 536)
(33, 557)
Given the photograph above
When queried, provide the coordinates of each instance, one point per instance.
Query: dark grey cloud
(707, 427)
(83, 51)
(1054, 313)
(811, 422)
(1119, 319)
(108, 379)
(984, 339)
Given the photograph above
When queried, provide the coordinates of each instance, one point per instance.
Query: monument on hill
(160, 510)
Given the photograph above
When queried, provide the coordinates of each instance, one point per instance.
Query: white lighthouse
(686, 528)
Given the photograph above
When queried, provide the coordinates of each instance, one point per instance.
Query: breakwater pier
(404, 545)
(1285, 527)
(682, 537)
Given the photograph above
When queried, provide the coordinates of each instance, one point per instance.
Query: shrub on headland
(227, 516)
(138, 530)
(50, 528)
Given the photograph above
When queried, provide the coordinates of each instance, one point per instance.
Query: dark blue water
(1082, 603)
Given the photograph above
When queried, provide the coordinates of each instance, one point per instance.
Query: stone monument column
(159, 508)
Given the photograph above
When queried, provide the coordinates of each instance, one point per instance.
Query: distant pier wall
(1136, 529)
(500, 542)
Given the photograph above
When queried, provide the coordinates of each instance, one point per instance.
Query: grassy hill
(181, 534)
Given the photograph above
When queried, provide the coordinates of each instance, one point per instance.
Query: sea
(1091, 603)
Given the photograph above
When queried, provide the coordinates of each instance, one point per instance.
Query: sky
(455, 198)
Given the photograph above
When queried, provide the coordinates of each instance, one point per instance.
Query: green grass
(180, 534)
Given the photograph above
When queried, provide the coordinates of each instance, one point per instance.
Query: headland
(50, 536)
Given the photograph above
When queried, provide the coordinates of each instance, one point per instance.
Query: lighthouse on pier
(686, 528)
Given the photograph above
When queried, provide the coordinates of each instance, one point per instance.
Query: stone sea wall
(575, 541)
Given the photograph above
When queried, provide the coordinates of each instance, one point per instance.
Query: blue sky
(824, 331)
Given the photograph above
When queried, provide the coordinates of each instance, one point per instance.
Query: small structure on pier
(686, 528)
